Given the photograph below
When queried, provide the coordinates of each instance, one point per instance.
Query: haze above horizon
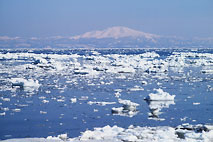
(28, 18)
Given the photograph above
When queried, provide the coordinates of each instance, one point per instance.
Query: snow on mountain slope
(115, 32)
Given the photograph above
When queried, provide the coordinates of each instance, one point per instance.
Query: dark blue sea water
(96, 75)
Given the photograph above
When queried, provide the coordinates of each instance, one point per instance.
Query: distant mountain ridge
(113, 37)
(115, 32)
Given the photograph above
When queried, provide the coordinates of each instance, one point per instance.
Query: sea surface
(47, 92)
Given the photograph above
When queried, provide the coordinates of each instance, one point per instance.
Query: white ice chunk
(155, 108)
(73, 100)
(136, 88)
(150, 55)
(128, 105)
(5, 99)
(144, 82)
(160, 95)
(196, 103)
(3, 114)
(16, 110)
(128, 109)
(5, 109)
(43, 112)
(101, 103)
(117, 94)
(45, 101)
(184, 133)
(83, 98)
(27, 84)
(105, 133)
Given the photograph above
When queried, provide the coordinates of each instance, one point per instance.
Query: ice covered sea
(142, 94)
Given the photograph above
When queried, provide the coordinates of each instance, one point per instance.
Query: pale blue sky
(187, 18)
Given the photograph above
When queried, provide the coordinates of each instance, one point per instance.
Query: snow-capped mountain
(114, 37)
(115, 32)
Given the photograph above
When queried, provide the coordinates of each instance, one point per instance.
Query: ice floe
(100, 103)
(3, 113)
(136, 88)
(5, 99)
(128, 109)
(144, 82)
(128, 105)
(43, 112)
(196, 103)
(45, 101)
(27, 84)
(182, 133)
(73, 100)
(155, 108)
(16, 110)
(5, 109)
(53, 73)
(160, 95)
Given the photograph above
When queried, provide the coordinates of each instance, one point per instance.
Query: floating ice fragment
(60, 100)
(119, 134)
(28, 84)
(160, 95)
(83, 98)
(21, 105)
(144, 82)
(42, 97)
(207, 71)
(117, 110)
(136, 88)
(150, 55)
(45, 101)
(182, 133)
(59, 138)
(3, 114)
(5, 109)
(73, 100)
(123, 112)
(95, 110)
(183, 119)
(63, 137)
(128, 105)
(117, 94)
(16, 110)
(43, 112)
(210, 88)
(81, 72)
(47, 91)
(105, 133)
(118, 90)
(101, 103)
(196, 103)
(155, 108)
(5, 99)
(128, 109)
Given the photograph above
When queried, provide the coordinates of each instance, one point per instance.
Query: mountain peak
(114, 32)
